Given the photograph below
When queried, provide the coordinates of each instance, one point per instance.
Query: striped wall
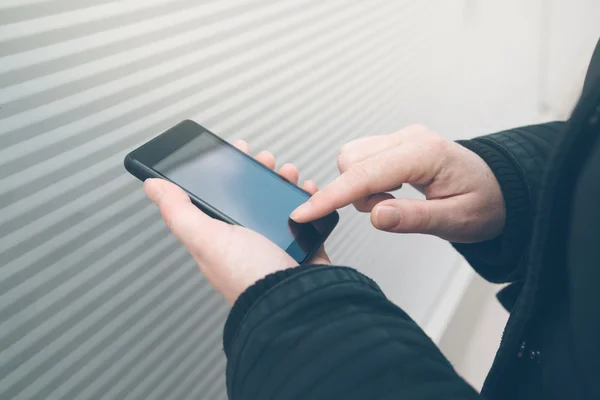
(97, 300)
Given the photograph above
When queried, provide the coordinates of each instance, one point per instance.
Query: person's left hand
(231, 257)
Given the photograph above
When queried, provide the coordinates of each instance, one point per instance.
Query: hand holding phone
(229, 185)
(231, 256)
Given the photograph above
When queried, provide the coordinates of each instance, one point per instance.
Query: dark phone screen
(221, 176)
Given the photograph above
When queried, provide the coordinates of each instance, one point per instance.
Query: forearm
(329, 332)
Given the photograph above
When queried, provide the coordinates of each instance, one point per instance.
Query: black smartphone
(231, 186)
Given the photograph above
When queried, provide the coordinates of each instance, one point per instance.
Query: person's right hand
(463, 202)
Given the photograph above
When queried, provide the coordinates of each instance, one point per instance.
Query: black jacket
(321, 332)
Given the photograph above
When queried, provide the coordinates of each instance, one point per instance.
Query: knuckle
(345, 148)
(346, 155)
(440, 142)
(439, 147)
(423, 219)
(422, 132)
(352, 145)
(359, 172)
(342, 162)
(414, 132)
(418, 128)
(345, 159)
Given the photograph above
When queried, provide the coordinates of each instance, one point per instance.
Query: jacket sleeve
(517, 158)
(322, 332)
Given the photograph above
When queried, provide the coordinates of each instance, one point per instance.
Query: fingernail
(387, 217)
(303, 209)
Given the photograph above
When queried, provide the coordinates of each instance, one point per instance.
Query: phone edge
(142, 173)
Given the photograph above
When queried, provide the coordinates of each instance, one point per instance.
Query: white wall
(84, 81)
(571, 32)
(472, 336)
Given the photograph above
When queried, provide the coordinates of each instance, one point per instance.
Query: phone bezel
(140, 162)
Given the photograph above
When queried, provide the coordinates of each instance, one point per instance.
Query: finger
(361, 143)
(267, 159)
(435, 217)
(289, 172)
(367, 204)
(241, 145)
(190, 225)
(363, 148)
(408, 163)
(310, 187)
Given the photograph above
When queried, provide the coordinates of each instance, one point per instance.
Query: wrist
(514, 203)
(499, 259)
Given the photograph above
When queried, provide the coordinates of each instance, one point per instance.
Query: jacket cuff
(501, 259)
(249, 297)
(307, 277)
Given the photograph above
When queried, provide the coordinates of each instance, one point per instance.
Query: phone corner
(188, 121)
(336, 217)
(333, 220)
(129, 163)
(135, 169)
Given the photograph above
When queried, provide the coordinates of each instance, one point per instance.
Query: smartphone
(231, 186)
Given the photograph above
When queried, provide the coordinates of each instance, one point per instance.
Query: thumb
(433, 217)
(190, 225)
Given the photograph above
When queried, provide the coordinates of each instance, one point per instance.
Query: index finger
(380, 173)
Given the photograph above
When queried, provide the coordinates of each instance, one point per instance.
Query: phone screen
(237, 186)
